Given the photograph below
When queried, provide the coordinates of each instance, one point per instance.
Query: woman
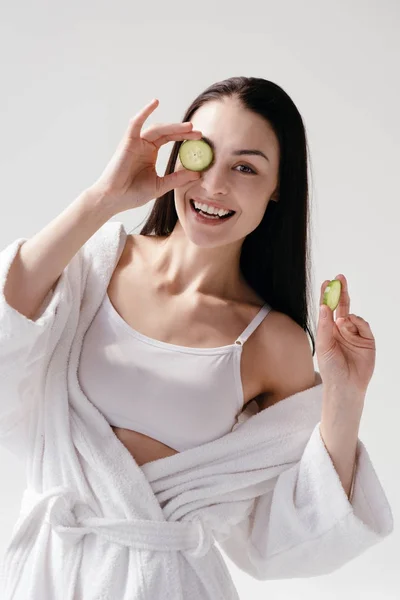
(199, 282)
(163, 340)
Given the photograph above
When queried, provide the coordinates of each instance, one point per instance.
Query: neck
(182, 267)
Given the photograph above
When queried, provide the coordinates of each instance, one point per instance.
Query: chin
(203, 237)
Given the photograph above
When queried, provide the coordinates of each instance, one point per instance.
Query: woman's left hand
(345, 348)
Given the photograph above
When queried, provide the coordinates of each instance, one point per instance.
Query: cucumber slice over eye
(195, 155)
(332, 294)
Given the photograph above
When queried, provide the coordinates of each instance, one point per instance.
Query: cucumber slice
(195, 155)
(332, 294)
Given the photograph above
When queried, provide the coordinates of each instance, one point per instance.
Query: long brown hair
(275, 258)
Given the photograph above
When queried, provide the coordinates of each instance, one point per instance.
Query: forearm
(339, 429)
(43, 257)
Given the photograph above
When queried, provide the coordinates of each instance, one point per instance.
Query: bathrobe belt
(72, 519)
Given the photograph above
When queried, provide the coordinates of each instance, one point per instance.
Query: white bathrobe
(95, 526)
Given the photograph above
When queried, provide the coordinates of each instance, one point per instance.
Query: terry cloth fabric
(95, 526)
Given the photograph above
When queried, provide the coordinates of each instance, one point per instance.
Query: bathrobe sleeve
(305, 526)
(25, 351)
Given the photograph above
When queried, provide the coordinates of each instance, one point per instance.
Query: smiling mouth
(215, 216)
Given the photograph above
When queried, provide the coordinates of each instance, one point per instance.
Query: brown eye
(247, 172)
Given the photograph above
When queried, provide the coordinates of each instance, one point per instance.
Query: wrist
(341, 418)
(346, 390)
(95, 198)
(343, 404)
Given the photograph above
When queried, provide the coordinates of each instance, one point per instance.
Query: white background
(73, 74)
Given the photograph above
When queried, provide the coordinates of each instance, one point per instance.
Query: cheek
(254, 218)
(253, 202)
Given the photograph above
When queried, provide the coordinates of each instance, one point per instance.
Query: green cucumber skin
(332, 294)
(199, 144)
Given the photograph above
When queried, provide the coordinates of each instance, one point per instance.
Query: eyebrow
(237, 152)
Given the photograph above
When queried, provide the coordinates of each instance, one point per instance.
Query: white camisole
(181, 396)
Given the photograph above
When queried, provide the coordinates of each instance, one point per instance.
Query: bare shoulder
(286, 349)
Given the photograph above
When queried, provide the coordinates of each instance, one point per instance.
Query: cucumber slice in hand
(195, 155)
(332, 294)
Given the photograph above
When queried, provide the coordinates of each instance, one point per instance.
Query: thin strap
(262, 313)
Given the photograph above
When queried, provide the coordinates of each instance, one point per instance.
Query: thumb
(176, 179)
(325, 323)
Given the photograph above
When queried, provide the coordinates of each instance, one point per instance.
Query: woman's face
(242, 183)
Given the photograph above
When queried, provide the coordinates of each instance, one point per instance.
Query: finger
(155, 131)
(354, 325)
(136, 123)
(347, 325)
(363, 326)
(175, 180)
(191, 135)
(323, 286)
(343, 308)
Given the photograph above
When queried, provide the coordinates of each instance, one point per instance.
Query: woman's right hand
(130, 179)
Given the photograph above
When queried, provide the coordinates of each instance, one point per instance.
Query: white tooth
(210, 210)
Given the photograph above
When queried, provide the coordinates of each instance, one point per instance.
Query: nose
(214, 181)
